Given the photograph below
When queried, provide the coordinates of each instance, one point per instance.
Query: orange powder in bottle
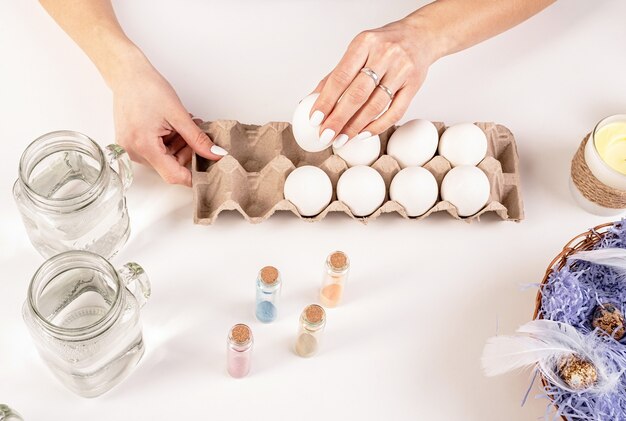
(335, 276)
(331, 295)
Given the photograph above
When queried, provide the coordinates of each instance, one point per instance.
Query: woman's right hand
(152, 124)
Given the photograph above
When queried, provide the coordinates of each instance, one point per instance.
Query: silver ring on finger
(371, 74)
(386, 90)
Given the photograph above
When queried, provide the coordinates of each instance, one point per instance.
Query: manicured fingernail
(340, 141)
(218, 151)
(363, 135)
(327, 135)
(316, 118)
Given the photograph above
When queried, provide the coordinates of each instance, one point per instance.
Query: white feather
(613, 257)
(542, 343)
(507, 353)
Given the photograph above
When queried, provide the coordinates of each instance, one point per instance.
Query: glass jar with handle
(83, 316)
(8, 414)
(70, 194)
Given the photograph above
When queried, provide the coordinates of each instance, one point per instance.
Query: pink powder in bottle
(239, 351)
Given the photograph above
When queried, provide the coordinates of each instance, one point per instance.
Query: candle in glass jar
(610, 142)
(598, 174)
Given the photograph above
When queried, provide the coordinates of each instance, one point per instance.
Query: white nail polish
(364, 135)
(218, 151)
(341, 140)
(327, 136)
(316, 118)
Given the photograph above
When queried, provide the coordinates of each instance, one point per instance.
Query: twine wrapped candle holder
(598, 188)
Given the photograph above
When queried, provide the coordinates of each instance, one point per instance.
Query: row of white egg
(363, 190)
(412, 144)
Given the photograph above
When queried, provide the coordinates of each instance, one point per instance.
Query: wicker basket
(584, 241)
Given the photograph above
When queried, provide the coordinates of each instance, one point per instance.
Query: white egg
(414, 143)
(416, 189)
(362, 189)
(360, 152)
(467, 188)
(306, 135)
(309, 189)
(463, 144)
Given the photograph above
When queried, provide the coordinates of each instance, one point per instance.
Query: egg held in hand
(416, 189)
(362, 189)
(309, 189)
(467, 188)
(463, 144)
(359, 152)
(414, 143)
(307, 136)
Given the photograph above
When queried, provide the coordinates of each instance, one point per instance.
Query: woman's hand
(350, 100)
(153, 125)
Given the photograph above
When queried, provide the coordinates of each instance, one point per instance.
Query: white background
(423, 297)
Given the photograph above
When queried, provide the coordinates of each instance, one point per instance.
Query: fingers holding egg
(306, 129)
(376, 105)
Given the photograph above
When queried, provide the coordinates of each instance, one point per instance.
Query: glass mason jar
(312, 322)
(335, 276)
(8, 414)
(83, 316)
(70, 197)
(268, 286)
(239, 351)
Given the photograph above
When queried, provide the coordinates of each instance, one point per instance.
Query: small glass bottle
(239, 351)
(335, 277)
(312, 322)
(268, 286)
(8, 414)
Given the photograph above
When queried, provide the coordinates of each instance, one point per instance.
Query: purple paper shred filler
(570, 296)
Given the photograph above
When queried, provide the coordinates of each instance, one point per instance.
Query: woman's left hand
(399, 55)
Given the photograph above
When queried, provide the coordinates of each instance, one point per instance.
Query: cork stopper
(338, 261)
(240, 334)
(314, 314)
(269, 275)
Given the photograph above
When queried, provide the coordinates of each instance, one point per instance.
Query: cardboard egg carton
(250, 179)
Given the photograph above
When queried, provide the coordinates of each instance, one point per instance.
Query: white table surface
(422, 298)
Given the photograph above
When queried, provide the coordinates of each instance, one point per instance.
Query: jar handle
(7, 414)
(136, 281)
(117, 157)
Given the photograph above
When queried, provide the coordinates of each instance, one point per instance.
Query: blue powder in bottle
(266, 311)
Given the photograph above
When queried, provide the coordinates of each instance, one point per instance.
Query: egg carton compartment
(251, 178)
